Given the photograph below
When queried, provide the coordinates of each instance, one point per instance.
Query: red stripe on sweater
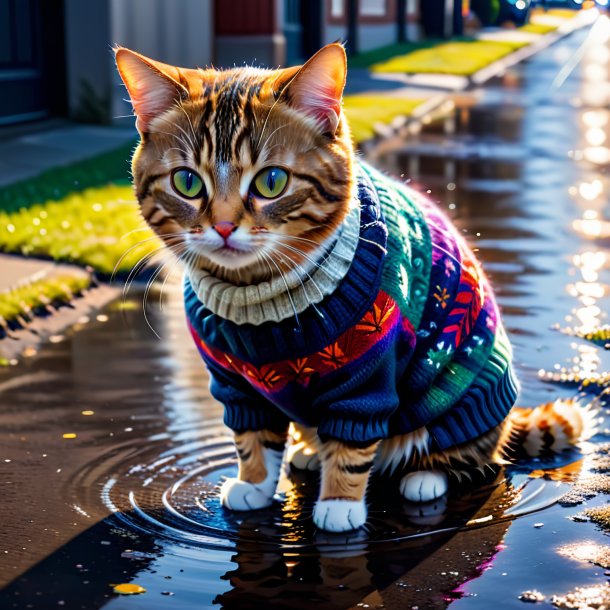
(383, 316)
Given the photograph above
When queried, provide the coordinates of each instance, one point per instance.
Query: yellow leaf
(128, 589)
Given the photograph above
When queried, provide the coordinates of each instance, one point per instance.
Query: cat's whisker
(294, 309)
(174, 250)
(185, 257)
(150, 283)
(263, 259)
(282, 236)
(188, 118)
(297, 267)
(126, 253)
(140, 265)
(174, 136)
(188, 140)
(180, 150)
(183, 150)
(315, 263)
(374, 243)
(271, 135)
(137, 245)
(144, 228)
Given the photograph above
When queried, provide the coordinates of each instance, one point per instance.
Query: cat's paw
(424, 485)
(304, 458)
(339, 515)
(241, 495)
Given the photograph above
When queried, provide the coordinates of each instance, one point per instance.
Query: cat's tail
(549, 428)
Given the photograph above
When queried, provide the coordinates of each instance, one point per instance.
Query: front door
(32, 65)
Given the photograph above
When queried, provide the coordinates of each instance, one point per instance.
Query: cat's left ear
(153, 86)
(317, 87)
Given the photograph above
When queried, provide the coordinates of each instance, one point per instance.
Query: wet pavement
(112, 447)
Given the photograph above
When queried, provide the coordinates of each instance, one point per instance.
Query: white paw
(241, 495)
(424, 485)
(304, 458)
(339, 515)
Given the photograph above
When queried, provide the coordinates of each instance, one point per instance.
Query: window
(336, 8)
(373, 8)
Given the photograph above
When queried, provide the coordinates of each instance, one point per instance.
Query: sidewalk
(436, 89)
(29, 154)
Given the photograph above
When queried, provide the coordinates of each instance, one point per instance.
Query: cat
(322, 294)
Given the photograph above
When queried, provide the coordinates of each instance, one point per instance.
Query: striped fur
(549, 428)
(250, 448)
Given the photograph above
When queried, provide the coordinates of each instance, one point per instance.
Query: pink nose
(224, 229)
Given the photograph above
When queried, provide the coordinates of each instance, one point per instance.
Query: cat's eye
(270, 183)
(187, 183)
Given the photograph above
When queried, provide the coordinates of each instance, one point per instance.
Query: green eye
(187, 183)
(270, 183)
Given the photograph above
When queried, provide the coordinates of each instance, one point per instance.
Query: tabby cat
(322, 294)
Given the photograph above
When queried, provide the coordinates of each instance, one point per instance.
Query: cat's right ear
(153, 86)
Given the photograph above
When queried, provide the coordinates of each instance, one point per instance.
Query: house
(56, 59)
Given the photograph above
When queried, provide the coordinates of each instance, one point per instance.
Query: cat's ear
(153, 86)
(317, 87)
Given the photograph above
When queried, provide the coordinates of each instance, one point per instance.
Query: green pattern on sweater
(406, 269)
(459, 375)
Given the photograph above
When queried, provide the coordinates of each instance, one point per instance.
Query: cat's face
(243, 172)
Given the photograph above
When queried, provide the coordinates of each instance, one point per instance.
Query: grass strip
(58, 182)
(19, 305)
(461, 58)
(537, 28)
(368, 58)
(364, 111)
(94, 227)
(560, 13)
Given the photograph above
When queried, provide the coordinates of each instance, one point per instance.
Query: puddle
(112, 447)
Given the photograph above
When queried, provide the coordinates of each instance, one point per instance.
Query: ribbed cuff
(353, 431)
(240, 418)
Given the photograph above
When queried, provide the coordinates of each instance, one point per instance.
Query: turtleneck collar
(280, 298)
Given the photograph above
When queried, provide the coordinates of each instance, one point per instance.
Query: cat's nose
(224, 229)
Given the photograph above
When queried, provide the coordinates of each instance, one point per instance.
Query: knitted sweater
(404, 334)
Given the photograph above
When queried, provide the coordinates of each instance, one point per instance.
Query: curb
(412, 123)
(498, 67)
(25, 342)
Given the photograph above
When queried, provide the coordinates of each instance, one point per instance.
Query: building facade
(56, 55)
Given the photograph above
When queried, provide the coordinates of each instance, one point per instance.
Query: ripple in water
(169, 490)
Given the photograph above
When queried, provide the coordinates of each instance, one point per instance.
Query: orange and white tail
(550, 428)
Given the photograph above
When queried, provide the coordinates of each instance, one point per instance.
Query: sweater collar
(281, 298)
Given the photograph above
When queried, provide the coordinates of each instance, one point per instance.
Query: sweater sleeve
(358, 407)
(244, 408)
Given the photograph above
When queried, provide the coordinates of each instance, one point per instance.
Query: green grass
(364, 111)
(93, 227)
(538, 28)
(458, 58)
(83, 213)
(367, 58)
(59, 182)
(20, 303)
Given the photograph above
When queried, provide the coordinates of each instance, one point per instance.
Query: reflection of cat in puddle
(346, 570)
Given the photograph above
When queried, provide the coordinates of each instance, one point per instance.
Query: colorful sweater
(407, 335)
